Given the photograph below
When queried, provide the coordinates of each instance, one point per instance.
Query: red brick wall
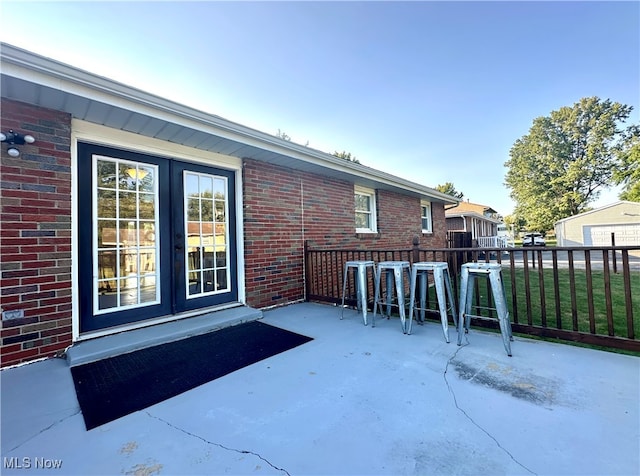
(439, 237)
(35, 234)
(274, 238)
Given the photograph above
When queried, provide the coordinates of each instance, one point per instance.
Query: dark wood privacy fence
(589, 295)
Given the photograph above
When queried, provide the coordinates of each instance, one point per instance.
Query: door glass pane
(206, 186)
(209, 283)
(221, 257)
(128, 233)
(146, 175)
(193, 209)
(221, 278)
(191, 188)
(127, 174)
(220, 188)
(128, 205)
(147, 233)
(106, 233)
(148, 275)
(107, 203)
(147, 205)
(220, 211)
(206, 211)
(126, 268)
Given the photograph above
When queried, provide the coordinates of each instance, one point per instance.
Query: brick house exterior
(35, 234)
(280, 195)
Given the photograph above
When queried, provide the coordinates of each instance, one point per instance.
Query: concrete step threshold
(104, 347)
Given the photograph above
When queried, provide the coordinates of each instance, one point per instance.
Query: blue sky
(433, 92)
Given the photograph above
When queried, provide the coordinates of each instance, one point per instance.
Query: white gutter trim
(23, 64)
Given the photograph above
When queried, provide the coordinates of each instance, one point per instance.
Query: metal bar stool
(360, 268)
(394, 272)
(492, 271)
(442, 282)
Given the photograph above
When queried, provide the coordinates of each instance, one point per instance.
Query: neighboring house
(595, 227)
(131, 210)
(479, 220)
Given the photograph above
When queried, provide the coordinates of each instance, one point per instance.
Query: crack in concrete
(45, 429)
(219, 445)
(455, 401)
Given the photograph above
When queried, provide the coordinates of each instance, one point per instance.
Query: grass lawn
(570, 319)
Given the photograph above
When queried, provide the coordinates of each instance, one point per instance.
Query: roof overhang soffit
(44, 82)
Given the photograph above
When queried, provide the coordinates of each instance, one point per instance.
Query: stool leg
(501, 308)
(376, 297)
(424, 275)
(362, 291)
(410, 317)
(508, 319)
(400, 295)
(412, 297)
(389, 291)
(356, 284)
(452, 301)
(344, 289)
(464, 278)
(471, 288)
(438, 277)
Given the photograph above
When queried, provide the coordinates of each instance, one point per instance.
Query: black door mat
(112, 388)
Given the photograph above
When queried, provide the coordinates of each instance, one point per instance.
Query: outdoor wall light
(13, 139)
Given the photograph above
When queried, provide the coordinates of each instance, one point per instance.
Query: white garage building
(594, 228)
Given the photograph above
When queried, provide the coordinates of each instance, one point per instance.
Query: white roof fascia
(23, 64)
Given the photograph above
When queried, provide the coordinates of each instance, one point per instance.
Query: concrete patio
(354, 401)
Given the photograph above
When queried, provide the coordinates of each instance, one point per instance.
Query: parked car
(533, 239)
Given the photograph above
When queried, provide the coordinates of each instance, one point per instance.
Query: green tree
(628, 173)
(346, 156)
(449, 189)
(517, 222)
(564, 161)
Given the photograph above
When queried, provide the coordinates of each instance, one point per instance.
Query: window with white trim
(365, 201)
(427, 223)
